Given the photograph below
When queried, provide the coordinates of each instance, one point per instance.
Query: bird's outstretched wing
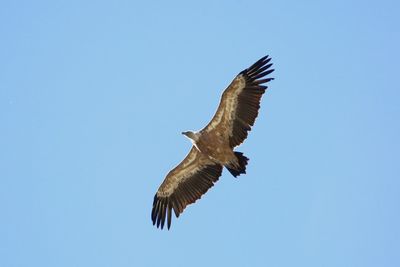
(240, 102)
(183, 185)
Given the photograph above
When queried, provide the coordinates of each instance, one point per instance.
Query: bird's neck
(194, 137)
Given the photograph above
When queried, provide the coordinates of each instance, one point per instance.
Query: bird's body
(213, 146)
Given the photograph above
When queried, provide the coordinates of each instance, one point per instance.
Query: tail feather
(236, 171)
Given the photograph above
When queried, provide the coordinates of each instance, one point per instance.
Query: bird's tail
(242, 162)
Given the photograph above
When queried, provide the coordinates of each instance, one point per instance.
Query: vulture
(213, 146)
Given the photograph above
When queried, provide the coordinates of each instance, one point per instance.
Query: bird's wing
(240, 103)
(183, 185)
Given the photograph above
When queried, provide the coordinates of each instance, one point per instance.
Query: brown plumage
(213, 146)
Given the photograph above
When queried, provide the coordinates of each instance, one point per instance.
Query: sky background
(94, 96)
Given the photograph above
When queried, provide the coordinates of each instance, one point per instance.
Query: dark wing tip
(258, 70)
(158, 213)
(162, 211)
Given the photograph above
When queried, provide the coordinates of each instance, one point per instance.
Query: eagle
(213, 146)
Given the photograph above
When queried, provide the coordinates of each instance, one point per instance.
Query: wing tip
(259, 69)
(161, 214)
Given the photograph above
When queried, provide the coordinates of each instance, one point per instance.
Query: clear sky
(94, 96)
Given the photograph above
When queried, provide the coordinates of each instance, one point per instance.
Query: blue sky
(94, 96)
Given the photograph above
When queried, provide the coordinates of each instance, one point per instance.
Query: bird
(213, 146)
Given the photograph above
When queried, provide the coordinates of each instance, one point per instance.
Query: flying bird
(213, 146)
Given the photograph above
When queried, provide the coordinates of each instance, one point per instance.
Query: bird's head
(191, 135)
